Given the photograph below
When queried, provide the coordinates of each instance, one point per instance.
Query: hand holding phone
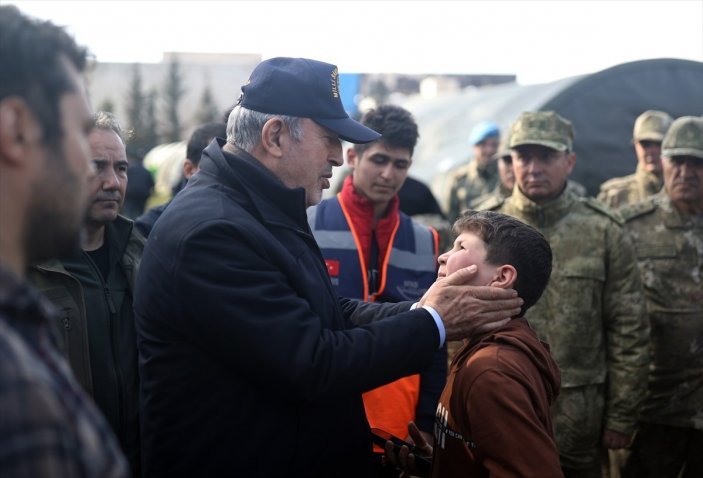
(422, 463)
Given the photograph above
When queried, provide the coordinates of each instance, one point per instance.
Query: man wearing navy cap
(480, 175)
(251, 365)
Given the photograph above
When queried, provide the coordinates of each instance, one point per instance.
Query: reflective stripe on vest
(408, 271)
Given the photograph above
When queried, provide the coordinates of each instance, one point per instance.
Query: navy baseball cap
(304, 88)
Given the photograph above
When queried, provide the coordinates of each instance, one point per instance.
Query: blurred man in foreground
(49, 427)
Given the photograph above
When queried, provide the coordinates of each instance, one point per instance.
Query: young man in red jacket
(376, 253)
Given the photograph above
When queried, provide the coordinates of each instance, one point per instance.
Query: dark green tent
(602, 107)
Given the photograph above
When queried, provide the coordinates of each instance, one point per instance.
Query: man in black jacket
(250, 363)
(93, 289)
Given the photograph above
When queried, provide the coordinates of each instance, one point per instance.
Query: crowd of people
(250, 328)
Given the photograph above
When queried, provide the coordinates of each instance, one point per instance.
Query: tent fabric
(602, 106)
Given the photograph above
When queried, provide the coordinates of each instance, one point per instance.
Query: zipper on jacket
(108, 299)
(119, 379)
(122, 405)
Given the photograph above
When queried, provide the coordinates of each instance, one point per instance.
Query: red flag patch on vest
(332, 267)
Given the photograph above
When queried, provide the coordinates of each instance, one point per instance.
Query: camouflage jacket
(618, 192)
(592, 312)
(670, 257)
(501, 193)
(467, 183)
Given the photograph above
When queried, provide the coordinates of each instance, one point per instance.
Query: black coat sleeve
(268, 317)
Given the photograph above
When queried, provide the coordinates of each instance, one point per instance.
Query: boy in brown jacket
(493, 418)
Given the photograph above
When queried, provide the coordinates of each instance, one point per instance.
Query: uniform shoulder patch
(490, 204)
(616, 183)
(632, 211)
(601, 208)
(457, 174)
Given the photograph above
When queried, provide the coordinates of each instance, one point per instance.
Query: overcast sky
(539, 41)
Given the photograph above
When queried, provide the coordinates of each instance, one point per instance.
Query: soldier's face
(506, 173)
(541, 172)
(683, 181)
(649, 156)
(486, 149)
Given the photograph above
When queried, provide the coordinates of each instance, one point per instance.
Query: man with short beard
(93, 290)
(48, 426)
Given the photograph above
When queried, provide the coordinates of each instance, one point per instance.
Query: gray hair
(244, 127)
(107, 121)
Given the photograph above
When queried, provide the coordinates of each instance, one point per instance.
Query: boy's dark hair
(396, 125)
(31, 67)
(509, 241)
(201, 137)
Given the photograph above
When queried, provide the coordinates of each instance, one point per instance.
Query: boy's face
(468, 249)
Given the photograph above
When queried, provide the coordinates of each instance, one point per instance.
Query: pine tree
(173, 92)
(151, 126)
(135, 115)
(207, 111)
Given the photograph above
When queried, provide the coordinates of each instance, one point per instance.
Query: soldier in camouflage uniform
(667, 230)
(477, 177)
(592, 313)
(507, 178)
(650, 128)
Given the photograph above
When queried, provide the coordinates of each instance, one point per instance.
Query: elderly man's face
(110, 182)
(308, 163)
(649, 156)
(683, 181)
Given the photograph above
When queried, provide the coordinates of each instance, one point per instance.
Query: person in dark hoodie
(493, 418)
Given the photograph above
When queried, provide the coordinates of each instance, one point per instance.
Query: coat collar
(543, 215)
(672, 217)
(276, 203)
(118, 235)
